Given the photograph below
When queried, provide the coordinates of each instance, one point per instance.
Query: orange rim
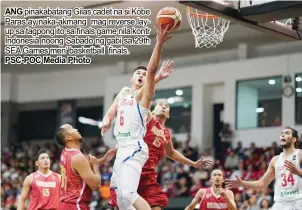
(200, 15)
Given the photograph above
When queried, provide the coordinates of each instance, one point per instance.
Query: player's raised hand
(292, 167)
(166, 69)
(201, 163)
(93, 160)
(234, 183)
(106, 124)
(110, 154)
(163, 34)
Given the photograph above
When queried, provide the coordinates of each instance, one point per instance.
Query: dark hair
(42, 151)
(140, 67)
(295, 135)
(269, 203)
(59, 136)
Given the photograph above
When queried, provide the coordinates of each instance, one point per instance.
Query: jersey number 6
(121, 118)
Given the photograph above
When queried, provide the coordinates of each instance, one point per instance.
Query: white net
(207, 29)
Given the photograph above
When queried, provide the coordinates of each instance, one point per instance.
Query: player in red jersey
(158, 139)
(215, 197)
(80, 175)
(41, 187)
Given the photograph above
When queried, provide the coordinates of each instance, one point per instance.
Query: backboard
(281, 19)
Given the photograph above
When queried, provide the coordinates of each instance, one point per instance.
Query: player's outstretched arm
(165, 71)
(24, 193)
(260, 184)
(108, 156)
(196, 200)
(111, 114)
(146, 93)
(175, 155)
(81, 165)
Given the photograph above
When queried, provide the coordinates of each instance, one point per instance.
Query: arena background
(244, 90)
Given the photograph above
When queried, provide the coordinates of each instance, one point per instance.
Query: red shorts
(74, 206)
(153, 194)
(112, 200)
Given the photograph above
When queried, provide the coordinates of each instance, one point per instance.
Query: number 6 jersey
(130, 120)
(288, 186)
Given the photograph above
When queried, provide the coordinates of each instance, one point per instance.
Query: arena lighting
(298, 90)
(155, 101)
(171, 100)
(175, 99)
(89, 121)
(271, 82)
(179, 92)
(259, 109)
(298, 79)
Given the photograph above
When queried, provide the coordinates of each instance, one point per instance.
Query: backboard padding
(270, 11)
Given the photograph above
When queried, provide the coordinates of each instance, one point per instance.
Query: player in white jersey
(286, 170)
(131, 111)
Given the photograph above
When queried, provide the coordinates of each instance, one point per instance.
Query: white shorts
(128, 165)
(288, 205)
(112, 180)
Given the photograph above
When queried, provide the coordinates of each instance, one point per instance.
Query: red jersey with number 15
(44, 191)
(210, 201)
(156, 137)
(73, 187)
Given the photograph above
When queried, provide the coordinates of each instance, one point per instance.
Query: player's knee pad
(125, 199)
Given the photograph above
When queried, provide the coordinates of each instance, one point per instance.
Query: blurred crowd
(248, 163)
(177, 180)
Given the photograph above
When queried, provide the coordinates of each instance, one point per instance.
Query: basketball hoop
(207, 29)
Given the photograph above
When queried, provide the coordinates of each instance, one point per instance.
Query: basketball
(169, 16)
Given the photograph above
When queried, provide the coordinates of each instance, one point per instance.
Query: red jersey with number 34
(210, 201)
(156, 137)
(44, 191)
